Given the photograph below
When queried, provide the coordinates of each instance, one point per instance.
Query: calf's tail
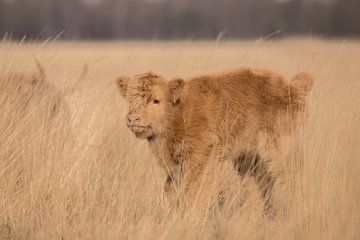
(302, 83)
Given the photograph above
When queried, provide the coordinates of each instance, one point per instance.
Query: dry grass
(80, 174)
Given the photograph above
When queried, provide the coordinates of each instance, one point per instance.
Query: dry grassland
(70, 169)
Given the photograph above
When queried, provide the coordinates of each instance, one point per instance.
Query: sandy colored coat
(235, 116)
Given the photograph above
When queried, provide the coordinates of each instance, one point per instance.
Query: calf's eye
(156, 101)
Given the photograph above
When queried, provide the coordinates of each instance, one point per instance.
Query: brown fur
(235, 115)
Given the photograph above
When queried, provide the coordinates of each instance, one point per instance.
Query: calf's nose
(133, 119)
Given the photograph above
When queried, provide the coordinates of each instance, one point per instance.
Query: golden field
(70, 169)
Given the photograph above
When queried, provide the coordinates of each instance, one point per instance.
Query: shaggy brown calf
(238, 115)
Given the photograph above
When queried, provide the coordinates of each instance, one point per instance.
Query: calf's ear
(176, 87)
(121, 84)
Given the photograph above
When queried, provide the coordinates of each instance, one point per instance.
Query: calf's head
(152, 101)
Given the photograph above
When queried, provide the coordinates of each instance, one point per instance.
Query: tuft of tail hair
(303, 83)
(300, 86)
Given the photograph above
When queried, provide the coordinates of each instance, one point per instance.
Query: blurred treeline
(174, 19)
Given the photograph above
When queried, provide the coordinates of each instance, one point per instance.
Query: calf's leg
(253, 164)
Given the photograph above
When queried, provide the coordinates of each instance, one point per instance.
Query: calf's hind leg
(254, 165)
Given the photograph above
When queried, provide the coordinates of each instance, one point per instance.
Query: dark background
(177, 19)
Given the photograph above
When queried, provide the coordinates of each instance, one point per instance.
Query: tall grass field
(70, 168)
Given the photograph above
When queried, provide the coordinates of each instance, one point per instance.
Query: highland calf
(237, 116)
